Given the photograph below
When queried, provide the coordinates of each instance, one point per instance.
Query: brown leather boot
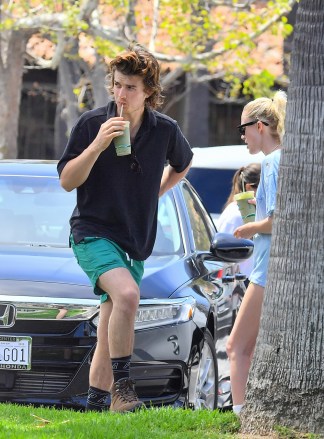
(123, 396)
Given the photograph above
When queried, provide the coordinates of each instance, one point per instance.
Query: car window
(168, 235)
(201, 224)
(34, 210)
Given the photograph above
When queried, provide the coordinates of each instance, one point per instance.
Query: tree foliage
(218, 36)
(206, 39)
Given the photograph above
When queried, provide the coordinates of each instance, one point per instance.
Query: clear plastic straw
(243, 182)
(121, 111)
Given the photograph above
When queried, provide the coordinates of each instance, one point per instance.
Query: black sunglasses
(135, 165)
(241, 128)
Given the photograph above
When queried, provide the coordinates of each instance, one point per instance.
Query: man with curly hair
(113, 225)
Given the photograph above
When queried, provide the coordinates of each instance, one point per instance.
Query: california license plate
(15, 352)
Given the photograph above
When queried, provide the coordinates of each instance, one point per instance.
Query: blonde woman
(262, 128)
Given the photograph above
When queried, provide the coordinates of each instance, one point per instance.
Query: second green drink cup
(247, 210)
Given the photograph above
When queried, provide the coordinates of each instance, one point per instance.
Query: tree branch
(172, 76)
(156, 7)
(87, 8)
(215, 53)
(130, 23)
(243, 5)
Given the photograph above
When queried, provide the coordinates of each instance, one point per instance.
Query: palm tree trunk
(286, 382)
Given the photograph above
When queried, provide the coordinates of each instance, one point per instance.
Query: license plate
(15, 352)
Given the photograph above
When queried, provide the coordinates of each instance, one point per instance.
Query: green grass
(23, 422)
(288, 433)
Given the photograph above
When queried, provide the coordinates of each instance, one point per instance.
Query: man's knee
(128, 299)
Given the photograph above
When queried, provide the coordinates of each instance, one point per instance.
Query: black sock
(96, 399)
(120, 367)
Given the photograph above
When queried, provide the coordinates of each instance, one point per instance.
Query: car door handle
(240, 276)
(228, 279)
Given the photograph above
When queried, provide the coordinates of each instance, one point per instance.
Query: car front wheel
(203, 385)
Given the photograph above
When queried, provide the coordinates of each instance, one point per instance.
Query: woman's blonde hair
(272, 111)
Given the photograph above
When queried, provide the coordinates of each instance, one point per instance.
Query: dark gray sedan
(190, 295)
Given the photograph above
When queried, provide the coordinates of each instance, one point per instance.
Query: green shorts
(98, 255)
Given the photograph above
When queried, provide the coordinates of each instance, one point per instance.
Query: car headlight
(152, 313)
(160, 312)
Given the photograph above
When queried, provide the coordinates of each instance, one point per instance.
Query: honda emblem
(7, 315)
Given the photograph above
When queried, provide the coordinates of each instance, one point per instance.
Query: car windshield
(35, 210)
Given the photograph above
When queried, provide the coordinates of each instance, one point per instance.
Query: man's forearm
(77, 170)
(170, 178)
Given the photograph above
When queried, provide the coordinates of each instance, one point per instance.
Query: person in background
(245, 179)
(113, 225)
(262, 129)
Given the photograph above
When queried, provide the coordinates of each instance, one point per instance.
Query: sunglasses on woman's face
(241, 128)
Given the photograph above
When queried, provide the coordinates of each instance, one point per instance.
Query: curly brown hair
(138, 61)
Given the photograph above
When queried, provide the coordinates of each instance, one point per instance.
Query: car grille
(50, 327)
(42, 381)
(59, 350)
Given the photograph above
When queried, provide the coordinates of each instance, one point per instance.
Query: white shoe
(237, 409)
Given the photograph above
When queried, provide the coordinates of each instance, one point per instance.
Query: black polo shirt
(115, 202)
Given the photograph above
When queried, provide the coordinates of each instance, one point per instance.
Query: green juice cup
(247, 210)
(122, 142)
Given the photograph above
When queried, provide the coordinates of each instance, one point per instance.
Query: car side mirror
(227, 248)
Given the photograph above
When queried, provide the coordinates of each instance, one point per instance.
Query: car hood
(54, 272)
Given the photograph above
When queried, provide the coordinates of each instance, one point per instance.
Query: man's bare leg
(124, 294)
(101, 375)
